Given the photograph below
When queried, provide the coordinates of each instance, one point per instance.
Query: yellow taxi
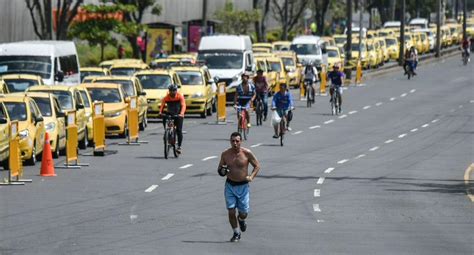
(340, 40)
(291, 67)
(276, 64)
(54, 120)
(409, 41)
(447, 38)
(373, 56)
(131, 87)
(371, 34)
(262, 47)
(93, 71)
(456, 32)
(425, 41)
(3, 87)
(4, 137)
(281, 46)
(378, 49)
(108, 63)
(87, 100)
(334, 57)
(366, 62)
(418, 42)
(387, 32)
(329, 40)
(115, 106)
(189, 57)
(393, 47)
(196, 87)
(155, 83)
(383, 46)
(20, 82)
(164, 63)
(272, 77)
(30, 125)
(69, 100)
(127, 69)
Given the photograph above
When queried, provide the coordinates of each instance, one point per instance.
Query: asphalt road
(385, 177)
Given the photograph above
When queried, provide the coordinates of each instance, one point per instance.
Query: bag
(276, 119)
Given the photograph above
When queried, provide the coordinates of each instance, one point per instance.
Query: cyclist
(466, 48)
(413, 58)
(244, 94)
(176, 107)
(310, 74)
(336, 78)
(282, 102)
(261, 88)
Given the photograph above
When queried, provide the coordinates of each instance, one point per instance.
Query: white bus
(55, 61)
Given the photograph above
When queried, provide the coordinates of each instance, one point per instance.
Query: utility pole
(464, 33)
(401, 56)
(285, 22)
(349, 31)
(456, 9)
(361, 5)
(204, 18)
(438, 30)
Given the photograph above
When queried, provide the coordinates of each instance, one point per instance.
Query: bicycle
(259, 110)
(242, 121)
(335, 101)
(282, 129)
(465, 58)
(410, 71)
(309, 93)
(169, 137)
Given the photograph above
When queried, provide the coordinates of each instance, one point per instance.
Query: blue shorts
(237, 196)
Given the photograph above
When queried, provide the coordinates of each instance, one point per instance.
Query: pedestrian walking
(120, 51)
(234, 164)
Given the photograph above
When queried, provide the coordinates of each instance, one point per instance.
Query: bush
(90, 55)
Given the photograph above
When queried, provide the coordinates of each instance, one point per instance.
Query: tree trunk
(392, 6)
(102, 49)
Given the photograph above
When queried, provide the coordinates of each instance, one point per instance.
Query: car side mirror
(59, 76)
(61, 114)
(143, 93)
(3, 121)
(38, 119)
(80, 106)
(216, 79)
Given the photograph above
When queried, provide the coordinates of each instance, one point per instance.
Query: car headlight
(24, 133)
(50, 126)
(197, 95)
(113, 114)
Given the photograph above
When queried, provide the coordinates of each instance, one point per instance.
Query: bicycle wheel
(259, 112)
(333, 104)
(309, 92)
(282, 133)
(165, 143)
(173, 142)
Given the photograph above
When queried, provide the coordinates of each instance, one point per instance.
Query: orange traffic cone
(47, 164)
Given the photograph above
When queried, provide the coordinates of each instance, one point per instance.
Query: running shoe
(235, 238)
(178, 150)
(275, 136)
(243, 225)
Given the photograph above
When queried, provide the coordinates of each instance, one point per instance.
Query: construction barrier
(71, 142)
(221, 103)
(98, 123)
(15, 171)
(322, 87)
(132, 123)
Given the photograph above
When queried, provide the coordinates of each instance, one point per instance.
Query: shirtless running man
(234, 163)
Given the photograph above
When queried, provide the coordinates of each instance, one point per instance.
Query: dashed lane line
(208, 158)
(389, 141)
(186, 166)
(471, 101)
(352, 112)
(461, 106)
(374, 148)
(329, 170)
(316, 208)
(167, 177)
(412, 91)
(403, 95)
(435, 120)
(342, 116)
(402, 135)
(378, 104)
(256, 145)
(426, 125)
(342, 161)
(392, 99)
(317, 193)
(313, 127)
(151, 188)
(320, 180)
(414, 130)
(328, 122)
(297, 132)
(360, 156)
(366, 107)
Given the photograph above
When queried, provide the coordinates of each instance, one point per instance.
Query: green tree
(235, 21)
(294, 10)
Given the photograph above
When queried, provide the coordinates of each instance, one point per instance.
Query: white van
(55, 61)
(392, 24)
(308, 48)
(419, 23)
(227, 57)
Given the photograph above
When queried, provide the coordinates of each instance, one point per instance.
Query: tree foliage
(235, 21)
(295, 11)
(260, 25)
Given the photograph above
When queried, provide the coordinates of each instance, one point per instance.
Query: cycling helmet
(172, 87)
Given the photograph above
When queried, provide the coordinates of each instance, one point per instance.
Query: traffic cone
(47, 164)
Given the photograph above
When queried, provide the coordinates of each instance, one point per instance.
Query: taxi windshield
(222, 60)
(40, 65)
(44, 104)
(288, 62)
(306, 49)
(91, 73)
(275, 66)
(16, 110)
(19, 85)
(391, 42)
(123, 71)
(106, 95)
(126, 85)
(64, 97)
(190, 78)
(332, 54)
(154, 81)
(85, 98)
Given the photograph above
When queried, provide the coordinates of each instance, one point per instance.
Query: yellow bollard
(359, 73)
(98, 123)
(302, 92)
(322, 88)
(71, 143)
(14, 160)
(132, 120)
(221, 102)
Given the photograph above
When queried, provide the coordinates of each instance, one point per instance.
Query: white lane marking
(435, 120)
(472, 101)
(329, 170)
(392, 99)
(317, 193)
(426, 125)
(374, 148)
(256, 145)
(452, 110)
(412, 91)
(461, 106)
(352, 112)
(186, 166)
(298, 132)
(342, 116)
(329, 121)
(403, 95)
(414, 130)
(151, 188)
(360, 156)
(316, 208)
(379, 104)
(460, 79)
(366, 107)
(402, 135)
(389, 141)
(210, 157)
(313, 127)
(319, 221)
(167, 177)
(320, 180)
(342, 161)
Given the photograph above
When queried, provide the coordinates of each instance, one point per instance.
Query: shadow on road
(216, 242)
(150, 157)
